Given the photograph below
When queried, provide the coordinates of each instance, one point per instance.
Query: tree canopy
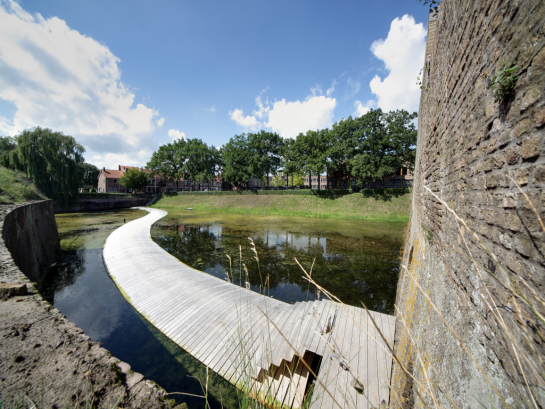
(369, 147)
(381, 144)
(134, 179)
(90, 176)
(169, 160)
(53, 161)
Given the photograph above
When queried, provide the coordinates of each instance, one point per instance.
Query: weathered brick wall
(468, 149)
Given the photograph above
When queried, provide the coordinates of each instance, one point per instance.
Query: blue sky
(124, 77)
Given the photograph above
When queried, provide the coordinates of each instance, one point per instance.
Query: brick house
(108, 182)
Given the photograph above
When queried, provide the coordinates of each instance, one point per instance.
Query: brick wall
(468, 148)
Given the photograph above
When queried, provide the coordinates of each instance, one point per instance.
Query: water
(81, 289)
(353, 259)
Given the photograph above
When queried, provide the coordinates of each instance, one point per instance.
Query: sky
(124, 77)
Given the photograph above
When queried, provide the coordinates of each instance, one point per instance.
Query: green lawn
(383, 206)
(15, 188)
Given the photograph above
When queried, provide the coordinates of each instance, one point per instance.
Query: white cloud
(175, 134)
(362, 109)
(291, 118)
(211, 109)
(403, 55)
(160, 122)
(353, 88)
(248, 123)
(58, 78)
(112, 160)
(331, 89)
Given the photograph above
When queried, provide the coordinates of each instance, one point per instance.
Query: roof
(112, 174)
(124, 168)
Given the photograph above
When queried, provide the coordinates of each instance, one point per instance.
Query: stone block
(539, 174)
(530, 148)
(512, 155)
(513, 222)
(523, 246)
(492, 181)
(490, 110)
(530, 97)
(509, 200)
(513, 264)
(498, 160)
(539, 117)
(521, 127)
(12, 289)
(521, 176)
(506, 240)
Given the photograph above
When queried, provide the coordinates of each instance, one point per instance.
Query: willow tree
(54, 163)
(8, 153)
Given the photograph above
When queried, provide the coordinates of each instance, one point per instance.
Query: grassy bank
(381, 205)
(15, 188)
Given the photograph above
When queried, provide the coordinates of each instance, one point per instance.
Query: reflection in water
(356, 267)
(355, 260)
(79, 286)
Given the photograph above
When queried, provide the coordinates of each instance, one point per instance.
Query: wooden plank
(214, 320)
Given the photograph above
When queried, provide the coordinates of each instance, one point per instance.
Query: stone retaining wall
(480, 278)
(92, 205)
(46, 359)
(30, 234)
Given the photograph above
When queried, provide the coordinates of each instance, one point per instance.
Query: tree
(169, 160)
(264, 149)
(383, 144)
(134, 179)
(309, 153)
(236, 157)
(90, 176)
(290, 159)
(297, 180)
(278, 181)
(8, 153)
(201, 162)
(53, 161)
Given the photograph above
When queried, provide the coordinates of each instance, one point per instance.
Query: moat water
(355, 260)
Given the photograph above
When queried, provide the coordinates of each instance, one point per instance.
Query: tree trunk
(287, 181)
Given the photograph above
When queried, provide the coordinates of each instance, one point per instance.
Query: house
(108, 182)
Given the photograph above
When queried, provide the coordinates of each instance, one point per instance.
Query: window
(115, 180)
(112, 190)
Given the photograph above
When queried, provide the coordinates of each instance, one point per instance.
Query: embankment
(93, 204)
(469, 328)
(389, 204)
(44, 358)
(30, 234)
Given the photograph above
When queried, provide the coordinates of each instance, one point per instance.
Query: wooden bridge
(264, 346)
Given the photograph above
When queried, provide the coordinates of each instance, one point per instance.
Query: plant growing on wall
(503, 83)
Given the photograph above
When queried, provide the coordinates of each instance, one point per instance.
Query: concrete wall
(30, 234)
(89, 205)
(468, 149)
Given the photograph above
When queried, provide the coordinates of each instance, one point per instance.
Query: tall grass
(431, 386)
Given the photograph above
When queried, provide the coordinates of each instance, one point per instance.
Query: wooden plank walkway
(225, 327)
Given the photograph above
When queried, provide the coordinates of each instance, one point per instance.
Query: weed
(503, 83)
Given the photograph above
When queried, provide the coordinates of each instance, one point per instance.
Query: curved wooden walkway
(224, 326)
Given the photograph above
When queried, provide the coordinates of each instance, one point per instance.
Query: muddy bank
(46, 359)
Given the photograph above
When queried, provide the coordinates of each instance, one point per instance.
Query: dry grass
(431, 388)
